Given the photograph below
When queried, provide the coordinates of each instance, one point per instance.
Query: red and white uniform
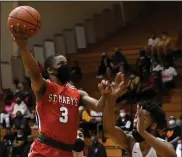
(58, 116)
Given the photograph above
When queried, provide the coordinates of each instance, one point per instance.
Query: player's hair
(49, 62)
(157, 114)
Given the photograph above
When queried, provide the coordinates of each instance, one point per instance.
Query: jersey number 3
(64, 115)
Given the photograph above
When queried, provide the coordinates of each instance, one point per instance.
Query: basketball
(27, 17)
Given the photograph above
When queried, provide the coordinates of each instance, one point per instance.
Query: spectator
(132, 89)
(164, 45)
(97, 149)
(17, 86)
(9, 137)
(120, 63)
(152, 88)
(124, 122)
(21, 122)
(76, 72)
(174, 132)
(143, 66)
(87, 122)
(156, 66)
(105, 66)
(168, 74)
(21, 106)
(7, 111)
(18, 143)
(153, 42)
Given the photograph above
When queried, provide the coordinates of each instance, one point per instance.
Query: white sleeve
(24, 109)
(128, 124)
(150, 42)
(174, 72)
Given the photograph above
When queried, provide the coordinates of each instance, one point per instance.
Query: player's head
(154, 119)
(79, 143)
(56, 66)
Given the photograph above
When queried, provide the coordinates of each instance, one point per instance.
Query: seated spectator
(168, 74)
(152, 88)
(143, 66)
(105, 66)
(17, 86)
(156, 66)
(120, 63)
(7, 111)
(164, 44)
(21, 106)
(9, 137)
(97, 149)
(132, 89)
(76, 72)
(174, 132)
(153, 42)
(124, 122)
(87, 122)
(21, 122)
(18, 143)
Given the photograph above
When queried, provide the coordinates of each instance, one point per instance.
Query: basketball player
(57, 101)
(143, 141)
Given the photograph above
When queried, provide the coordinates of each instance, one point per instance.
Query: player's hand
(104, 87)
(20, 35)
(117, 87)
(140, 120)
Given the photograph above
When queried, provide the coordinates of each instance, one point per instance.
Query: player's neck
(56, 80)
(144, 146)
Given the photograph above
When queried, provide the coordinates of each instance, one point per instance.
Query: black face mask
(64, 74)
(79, 145)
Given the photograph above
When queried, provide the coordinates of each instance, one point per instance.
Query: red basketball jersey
(58, 112)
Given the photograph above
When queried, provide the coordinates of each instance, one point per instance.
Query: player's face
(147, 120)
(61, 70)
(59, 61)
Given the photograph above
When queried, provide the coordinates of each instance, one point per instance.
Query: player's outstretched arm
(29, 61)
(159, 146)
(92, 103)
(116, 133)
